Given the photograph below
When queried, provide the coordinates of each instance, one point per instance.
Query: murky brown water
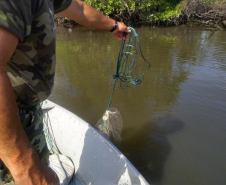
(175, 121)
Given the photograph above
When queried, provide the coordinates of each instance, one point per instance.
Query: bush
(206, 9)
(149, 9)
(162, 12)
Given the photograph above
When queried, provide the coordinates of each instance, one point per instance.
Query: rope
(51, 141)
(127, 63)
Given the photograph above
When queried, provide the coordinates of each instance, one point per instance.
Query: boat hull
(97, 161)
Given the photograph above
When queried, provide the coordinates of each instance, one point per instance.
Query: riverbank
(204, 12)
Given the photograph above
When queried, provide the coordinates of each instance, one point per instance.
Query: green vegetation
(116, 6)
(151, 10)
(161, 12)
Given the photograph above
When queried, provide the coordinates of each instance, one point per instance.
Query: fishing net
(110, 125)
(128, 74)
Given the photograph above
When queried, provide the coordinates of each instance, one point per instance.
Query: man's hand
(120, 30)
(85, 15)
(41, 175)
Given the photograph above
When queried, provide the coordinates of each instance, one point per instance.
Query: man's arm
(86, 15)
(15, 149)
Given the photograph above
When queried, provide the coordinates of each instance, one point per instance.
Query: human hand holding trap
(128, 74)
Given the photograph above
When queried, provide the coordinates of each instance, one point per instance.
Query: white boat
(96, 160)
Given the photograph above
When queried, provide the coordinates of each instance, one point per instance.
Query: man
(27, 68)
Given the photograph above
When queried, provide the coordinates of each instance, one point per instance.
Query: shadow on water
(149, 148)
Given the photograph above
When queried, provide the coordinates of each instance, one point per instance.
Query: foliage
(104, 6)
(204, 6)
(153, 9)
(167, 13)
(206, 12)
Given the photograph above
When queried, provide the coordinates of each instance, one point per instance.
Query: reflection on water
(150, 147)
(187, 81)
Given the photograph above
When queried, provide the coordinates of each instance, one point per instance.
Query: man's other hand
(119, 31)
(42, 175)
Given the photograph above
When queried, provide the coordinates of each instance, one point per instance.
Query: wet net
(128, 74)
(111, 125)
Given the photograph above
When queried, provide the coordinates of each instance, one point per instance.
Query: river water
(174, 128)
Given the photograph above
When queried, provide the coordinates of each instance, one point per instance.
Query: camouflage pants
(32, 122)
